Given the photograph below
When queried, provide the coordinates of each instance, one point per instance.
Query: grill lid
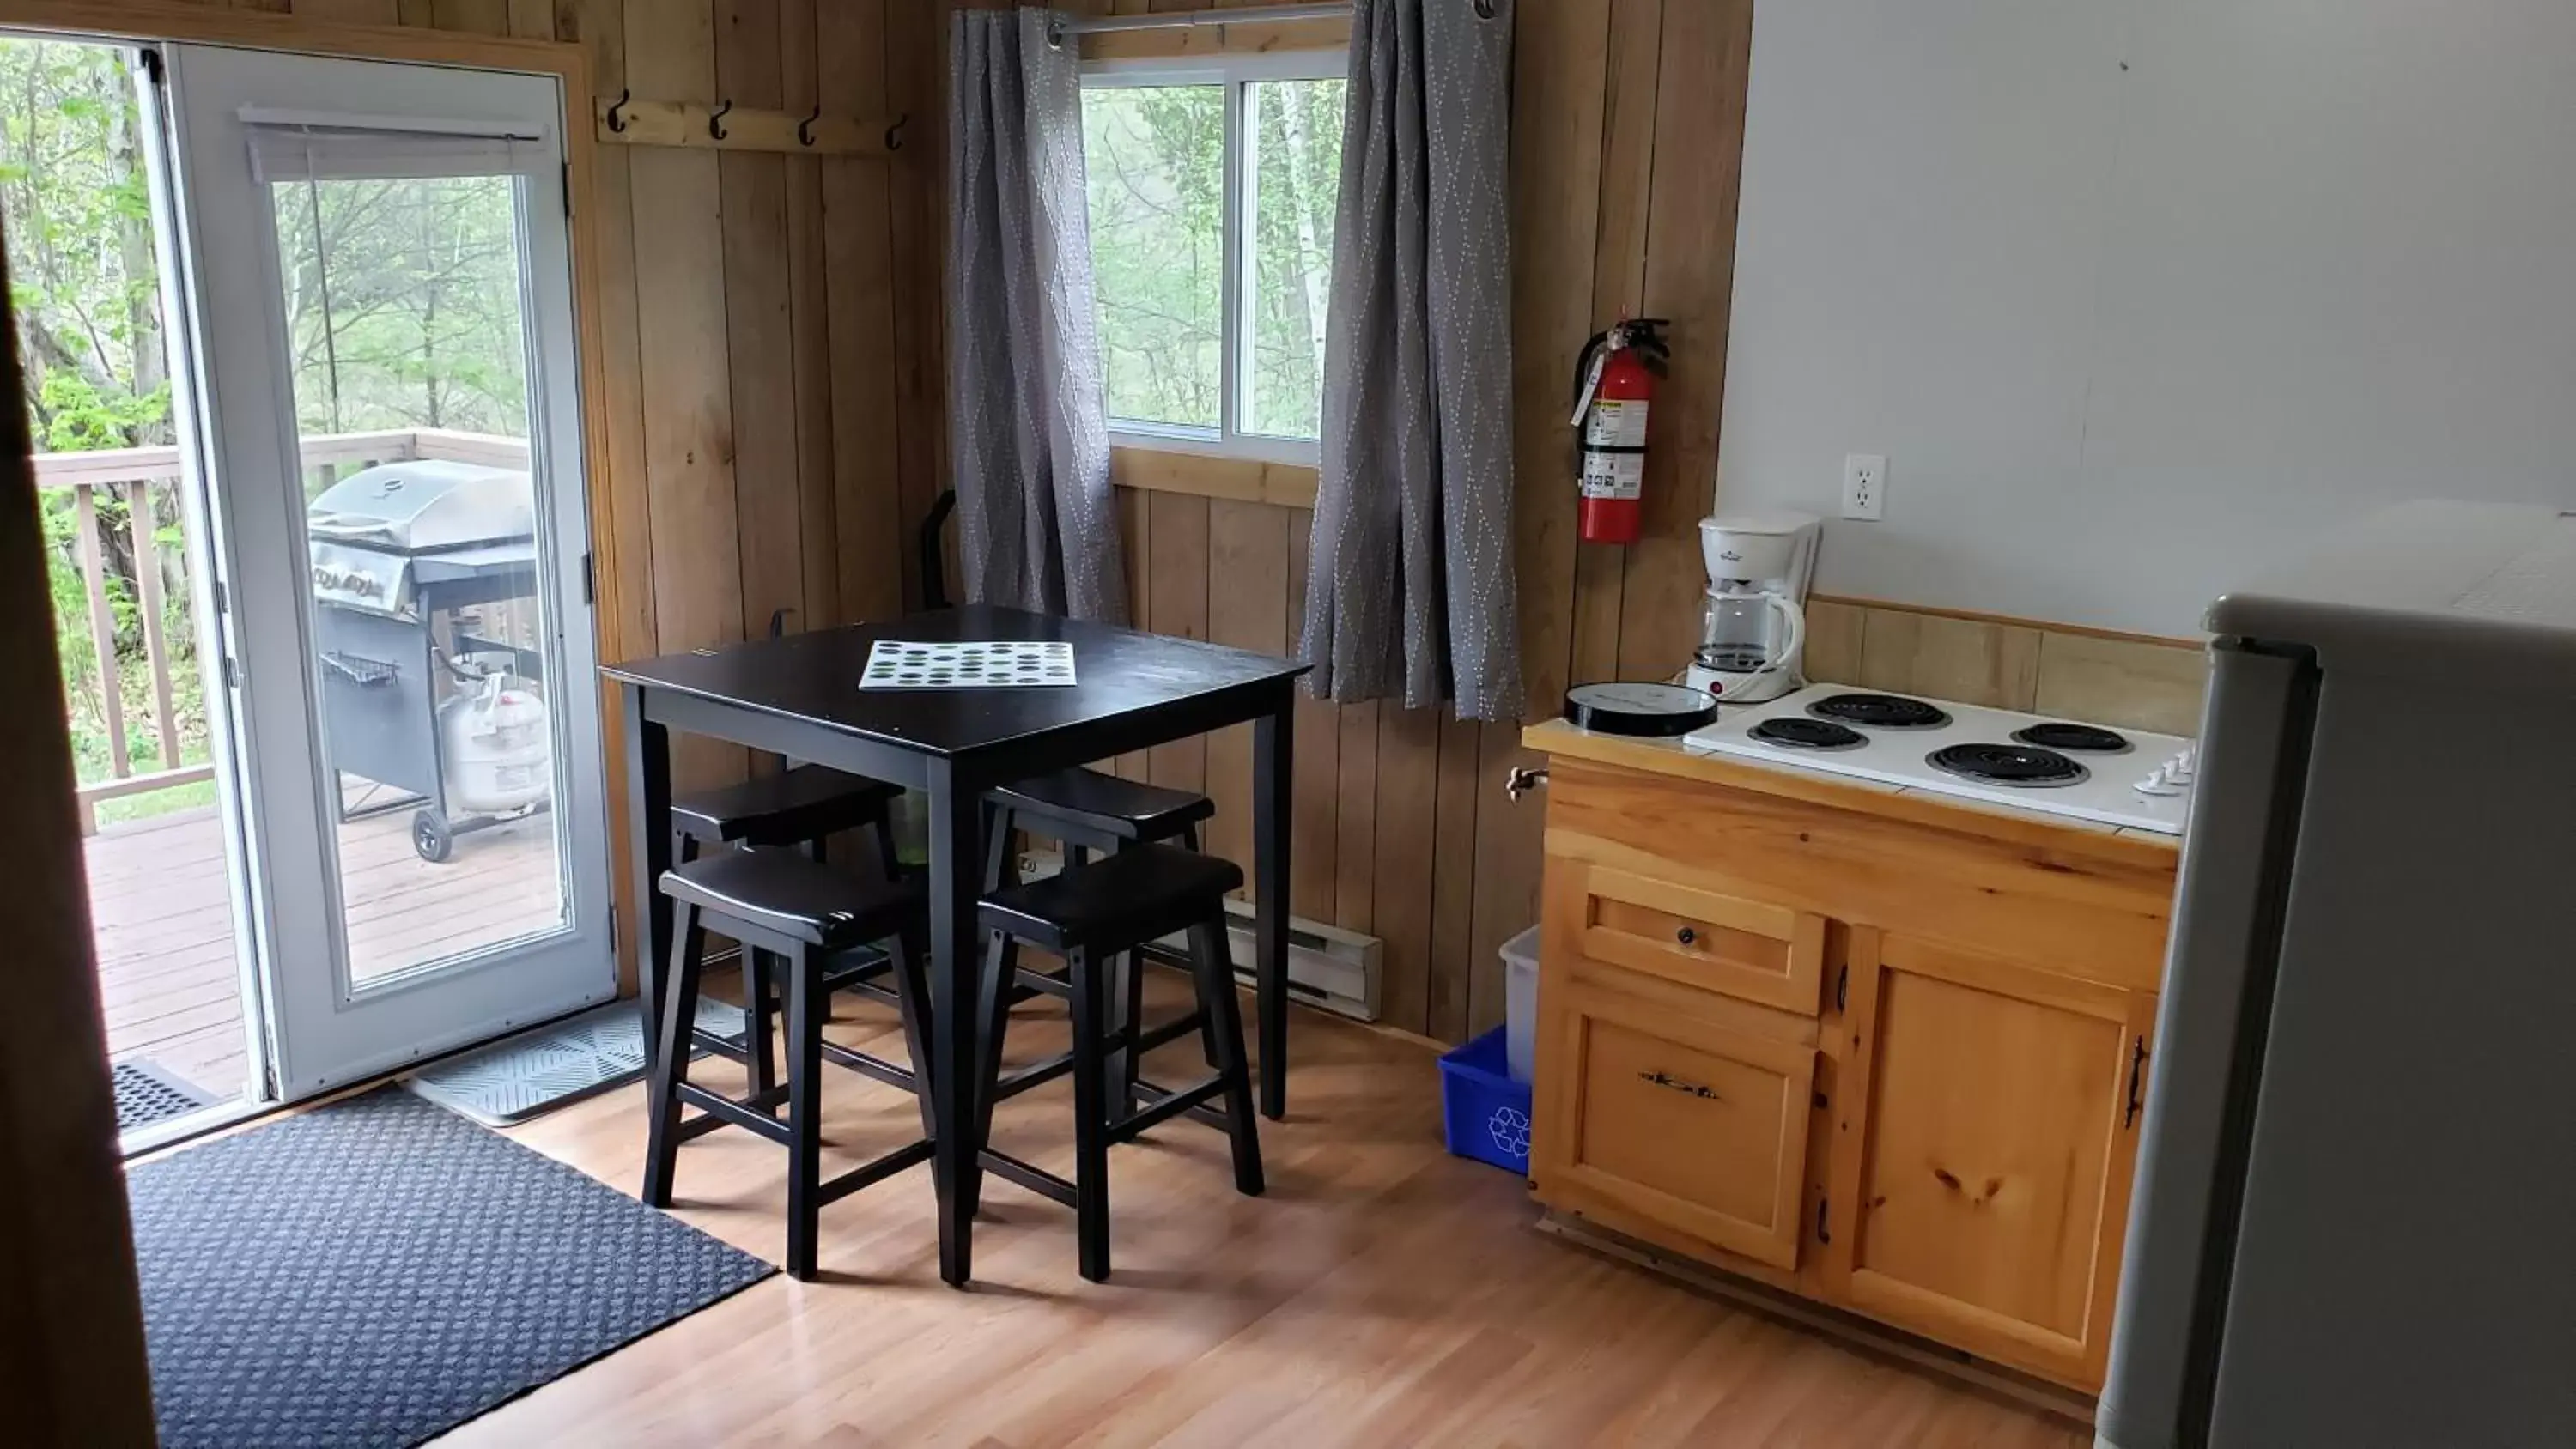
(425, 506)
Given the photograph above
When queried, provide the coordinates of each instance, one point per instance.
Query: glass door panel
(388, 327)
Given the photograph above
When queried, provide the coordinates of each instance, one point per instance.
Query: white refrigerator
(2355, 1220)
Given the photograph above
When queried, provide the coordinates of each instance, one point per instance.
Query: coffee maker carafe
(1753, 634)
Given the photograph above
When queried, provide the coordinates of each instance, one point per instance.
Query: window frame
(1232, 70)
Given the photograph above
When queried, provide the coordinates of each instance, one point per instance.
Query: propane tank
(498, 744)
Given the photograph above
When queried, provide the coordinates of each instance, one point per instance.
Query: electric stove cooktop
(2057, 766)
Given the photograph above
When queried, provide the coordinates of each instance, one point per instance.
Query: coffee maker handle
(1796, 619)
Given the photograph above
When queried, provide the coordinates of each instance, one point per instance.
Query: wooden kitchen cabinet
(1982, 1152)
(1876, 1050)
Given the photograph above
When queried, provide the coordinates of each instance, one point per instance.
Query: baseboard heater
(1327, 966)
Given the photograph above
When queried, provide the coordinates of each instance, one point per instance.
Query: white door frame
(324, 1031)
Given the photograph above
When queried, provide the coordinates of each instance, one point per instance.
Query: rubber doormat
(518, 1077)
(378, 1271)
(147, 1092)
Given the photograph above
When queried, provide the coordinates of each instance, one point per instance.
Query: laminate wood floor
(1382, 1293)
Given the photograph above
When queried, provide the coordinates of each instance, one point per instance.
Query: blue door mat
(373, 1273)
(147, 1092)
(520, 1076)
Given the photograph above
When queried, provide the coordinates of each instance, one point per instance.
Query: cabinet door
(1683, 1121)
(1984, 1141)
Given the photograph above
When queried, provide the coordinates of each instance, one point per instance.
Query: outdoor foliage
(1155, 157)
(402, 306)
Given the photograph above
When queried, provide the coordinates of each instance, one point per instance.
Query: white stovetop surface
(2107, 796)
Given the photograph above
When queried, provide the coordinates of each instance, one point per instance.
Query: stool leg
(912, 1003)
(993, 1024)
(759, 1018)
(1221, 1032)
(804, 1110)
(670, 1047)
(1090, 1118)
(887, 860)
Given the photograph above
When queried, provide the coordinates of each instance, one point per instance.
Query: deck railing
(130, 473)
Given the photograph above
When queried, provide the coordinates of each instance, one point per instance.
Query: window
(1212, 189)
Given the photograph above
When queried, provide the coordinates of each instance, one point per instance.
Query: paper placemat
(988, 664)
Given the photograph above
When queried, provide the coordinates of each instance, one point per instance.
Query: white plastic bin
(1520, 1002)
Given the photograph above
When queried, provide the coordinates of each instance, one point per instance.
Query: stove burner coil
(2025, 766)
(1795, 733)
(2082, 738)
(1880, 711)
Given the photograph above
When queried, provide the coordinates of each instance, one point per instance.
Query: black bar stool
(1086, 812)
(790, 913)
(796, 808)
(1088, 914)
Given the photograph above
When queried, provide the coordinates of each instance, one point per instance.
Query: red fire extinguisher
(1614, 380)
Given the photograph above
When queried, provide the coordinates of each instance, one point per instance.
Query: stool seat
(796, 804)
(1114, 902)
(1090, 802)
(804, 900)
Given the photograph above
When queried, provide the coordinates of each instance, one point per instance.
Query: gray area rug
(381, 1270)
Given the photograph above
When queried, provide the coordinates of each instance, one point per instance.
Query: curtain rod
(1177, 19)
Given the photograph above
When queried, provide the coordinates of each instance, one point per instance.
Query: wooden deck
(169, 973)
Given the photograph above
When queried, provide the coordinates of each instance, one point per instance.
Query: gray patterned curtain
(1037, 527)
(1409, 589)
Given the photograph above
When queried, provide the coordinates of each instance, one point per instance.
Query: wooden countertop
(1557, 738)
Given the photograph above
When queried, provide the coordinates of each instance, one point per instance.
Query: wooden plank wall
(773, 403)
(1623, 204)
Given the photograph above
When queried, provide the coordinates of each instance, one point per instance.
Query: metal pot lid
(1639, 707)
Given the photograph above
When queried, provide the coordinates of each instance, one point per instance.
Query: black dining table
(799, 697)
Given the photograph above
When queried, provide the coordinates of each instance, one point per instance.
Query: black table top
(815, 677)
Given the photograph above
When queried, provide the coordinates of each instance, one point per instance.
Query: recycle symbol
(1510, 1129)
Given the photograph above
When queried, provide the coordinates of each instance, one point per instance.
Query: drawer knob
(1672, 1083)
(1685, 935)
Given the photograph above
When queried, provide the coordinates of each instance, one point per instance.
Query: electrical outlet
(1865, 485)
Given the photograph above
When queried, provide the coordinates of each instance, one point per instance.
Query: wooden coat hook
(725, 126)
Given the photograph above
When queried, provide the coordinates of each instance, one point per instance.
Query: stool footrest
(747, 1114)
(869, 1066)
(1035, 1074)
(1036, 1179)
(834, 1189)
(1038, 983)
(1167, 1106)
(1166, 1032)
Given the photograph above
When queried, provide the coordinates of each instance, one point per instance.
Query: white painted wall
(2138, 294)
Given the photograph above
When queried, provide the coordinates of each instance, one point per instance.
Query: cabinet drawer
(1745, 948)
(1692, 1124)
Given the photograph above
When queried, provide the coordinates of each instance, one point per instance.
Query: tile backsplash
(2146, 684)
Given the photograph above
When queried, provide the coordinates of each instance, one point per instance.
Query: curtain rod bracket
(894, 132)
(805, 127)
(616, 121)
(715, 120)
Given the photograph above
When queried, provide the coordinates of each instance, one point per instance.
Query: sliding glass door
(377, 263)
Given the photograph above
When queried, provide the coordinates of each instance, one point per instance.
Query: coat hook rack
(726, 126)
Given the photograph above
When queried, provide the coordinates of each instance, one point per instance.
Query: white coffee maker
(1753, 633)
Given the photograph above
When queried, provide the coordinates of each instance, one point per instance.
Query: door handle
(2137, 1076)
(1673, 1083)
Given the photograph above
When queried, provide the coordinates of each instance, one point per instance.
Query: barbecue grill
(414, 567)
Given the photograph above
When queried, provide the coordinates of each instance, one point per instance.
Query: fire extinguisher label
(1614, 449)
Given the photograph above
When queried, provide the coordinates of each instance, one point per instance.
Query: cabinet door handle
(2137, 1072)
(1672, 1083)
(1685, 935)
(1842, 988)
(1823, 1234)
